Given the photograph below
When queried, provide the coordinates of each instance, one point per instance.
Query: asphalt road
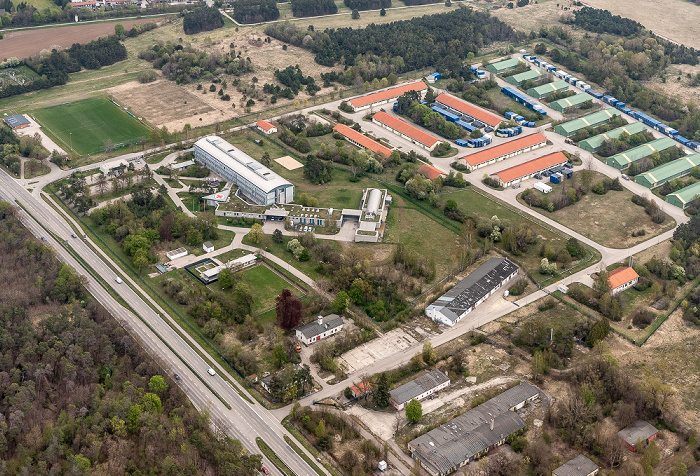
(245, 421)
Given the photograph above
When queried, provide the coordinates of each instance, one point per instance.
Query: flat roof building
(463, 108)
(518, 79)
(465, 438)
(546, 89)
(591, 120)
(320, 328)
(624, 159)
(529, 169)
(255, 182)
(504, 151)
(17, 121)
(592, 144)
(684, 196)
(579, 466)
(459, 301)
(503, 66)
(360, 140)
(622, 278)
(638, 431)
(576, 100)
(419, 388)
(406, 130)
(386, 96)
(669, 171)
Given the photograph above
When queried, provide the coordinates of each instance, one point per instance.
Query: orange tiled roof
(264, 125)
(531, 166)
(469, 109)
(430, 172)
(504, 149)
(406, 128)
(387, 94)
(363, 140)
(620, 276)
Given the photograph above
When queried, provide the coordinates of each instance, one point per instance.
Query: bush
(147, 76)
(519, 287)
(642, 317)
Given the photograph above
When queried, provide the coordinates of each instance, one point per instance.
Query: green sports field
(88, 124)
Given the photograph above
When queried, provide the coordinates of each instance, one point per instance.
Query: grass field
(265, 286)
(88, 124)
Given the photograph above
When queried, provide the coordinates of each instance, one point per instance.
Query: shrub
(519, 287)
(642, 317)
(147, 76)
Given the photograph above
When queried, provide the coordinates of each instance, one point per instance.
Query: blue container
(555, 178)
(461, 142)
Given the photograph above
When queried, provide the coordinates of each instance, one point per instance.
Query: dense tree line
(79, 395)
(313, 8)
(602, 21)
(202, 19)
(255, 11)
(431, 40)
(431, 120)
(361, 5)
(186, 64)
(410, 3)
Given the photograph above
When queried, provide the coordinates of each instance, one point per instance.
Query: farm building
(529, 169)
(265, 127)
(663, 173)
(17, 121)
(406, 130)
(418, 388)
(546, 89)
(319, 329)
(624, 159)
(684, 196)
(360, 389)
(572, 101)
(503, 66)
(469, 436)
(360, 140)
(579, 466)
(638, 431)
(256, 182)
(430, 172)
(592, 144)
(591, 120)
(505, 151)
(386, 96)
(520, 78)
(463, 108)
(622, 278)
(459, 301)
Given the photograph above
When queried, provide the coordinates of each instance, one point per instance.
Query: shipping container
(461, 142)
(555, 178)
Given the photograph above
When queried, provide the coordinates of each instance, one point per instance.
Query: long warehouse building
(360, 140)
(623, 160)
(663, 173)
(684, 196)
(406, 130)
(255, 181)
(505, 151)
(520, 78)
(562, 105)
(503, 66)
(592, 144)
(529, 169)
(546, 89)
(386, 96)
(459, 301)
(463, 108)
(591, 120)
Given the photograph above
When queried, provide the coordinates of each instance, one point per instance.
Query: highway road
(244, 421)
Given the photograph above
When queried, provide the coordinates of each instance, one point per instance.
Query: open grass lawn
(265, 286)
(88, 124)
(607, 219)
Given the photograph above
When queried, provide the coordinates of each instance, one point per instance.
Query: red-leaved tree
(288, 310)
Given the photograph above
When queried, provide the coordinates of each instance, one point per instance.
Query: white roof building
(320, 328)
(255, 181)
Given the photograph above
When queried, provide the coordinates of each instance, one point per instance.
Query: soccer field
(88, 124)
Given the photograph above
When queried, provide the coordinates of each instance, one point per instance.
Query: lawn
(265, 286)
(607, 219)
(85, 126)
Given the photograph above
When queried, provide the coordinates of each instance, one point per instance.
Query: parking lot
(367, 354)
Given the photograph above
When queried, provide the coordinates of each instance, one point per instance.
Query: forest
(361, 5)
(77, 394)
(443, 39)
(255, 11)
(602, 21)
(313, 8)
(202, 19)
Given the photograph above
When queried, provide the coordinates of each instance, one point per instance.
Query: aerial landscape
(350, 237)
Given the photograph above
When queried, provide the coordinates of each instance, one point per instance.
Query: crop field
(85, 126)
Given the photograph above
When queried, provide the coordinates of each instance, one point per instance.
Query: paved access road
(245, 421)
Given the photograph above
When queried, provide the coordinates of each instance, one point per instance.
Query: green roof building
(503, 66)
(663, 173)
(684, 196)
(520, 78)
(592, 144)
(562, 105)
(546, 89)
(624, 159)
(592, 120)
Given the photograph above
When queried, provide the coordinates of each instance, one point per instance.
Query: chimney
(491, 425)
(320, 320)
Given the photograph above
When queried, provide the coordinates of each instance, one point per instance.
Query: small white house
(419, 388)
(266, 127)
(208, 246)
(320, 329)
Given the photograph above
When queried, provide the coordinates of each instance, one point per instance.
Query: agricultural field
(86, 126)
